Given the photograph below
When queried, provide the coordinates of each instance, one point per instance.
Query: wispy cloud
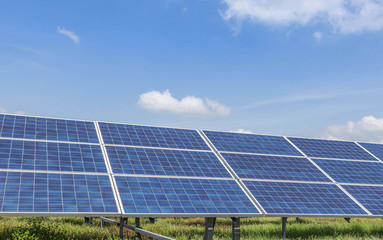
(73, 36)
(241, 130)
(318, 35)
(190, 105)
(343, 16)
(3, 110)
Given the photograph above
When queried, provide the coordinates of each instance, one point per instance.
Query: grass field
(191, 228)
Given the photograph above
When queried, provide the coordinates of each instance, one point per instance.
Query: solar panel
(12, 126)
(144, 195)
(274, 167)
(376, 149)
(251, 143)
(28, 192)
(369, 196)
(352, 171)
(135, 135)
(331, 149)
(130, 160)
(51, 156)
(303, 198)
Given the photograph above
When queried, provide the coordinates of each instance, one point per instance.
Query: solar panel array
(69, 167)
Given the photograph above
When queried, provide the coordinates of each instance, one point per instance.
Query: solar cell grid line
(52, 194)
(147, 161)
(250, 143)
(370, 196)
(151, 136)
(374, 148)
(303, 199)
(353, 171)
(160, 196)
(54, 129)
(51, 156)
(319, 148)
(274, 167)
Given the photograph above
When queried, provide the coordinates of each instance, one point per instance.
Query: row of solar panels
(58, 167)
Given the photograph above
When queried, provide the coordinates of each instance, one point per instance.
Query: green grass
(28, 228)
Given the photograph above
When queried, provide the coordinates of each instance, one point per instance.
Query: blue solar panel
(51, 156)
(376, 149)
(182, 196)
(274, 167)
(134, 135)
(251, 143)
(302, 198)
(47, 129)
(369, 196)
(22, 192)
(353, 171)
(331, 149)
(130, 160)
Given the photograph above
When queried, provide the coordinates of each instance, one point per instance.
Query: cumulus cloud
(189, 105)
(73, 36)
(343, 16)
(241, 130)
(369, 129)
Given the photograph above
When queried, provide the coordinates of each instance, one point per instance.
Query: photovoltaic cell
(47, 129)
(182, 196)
(376, 149)
(274, 167)
(25, 192)
(251, 143)
(147, 161)
(331, 149)
(135, 135)
(369, 196)
(302, 198)
(352, 171)
(51, 156)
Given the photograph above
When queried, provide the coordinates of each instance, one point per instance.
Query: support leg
(122, 228)
(347, 219)
(102, 223)
(236, 232)
(209, 228)
(137, 225)
(87, 220)
(284, 221)
(297, 220)
(152, 220)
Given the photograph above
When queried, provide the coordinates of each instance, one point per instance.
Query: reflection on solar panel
(369, 196)
(130, 160)
(251, 143)
(51, 156)
(134, 135)
(22, 192)
(331, 149)
(302, 198)
(376, 149)
(352, 171)
(141, 195)
(274, 167)
(47, 129)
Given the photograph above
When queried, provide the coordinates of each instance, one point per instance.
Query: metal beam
(347, 219)
(236, 231)
(284, 221)
(137, 225)
(121, 228)
(209, 228)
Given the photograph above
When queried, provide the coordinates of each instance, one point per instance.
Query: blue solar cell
(369, 196)
(376, 149)
(331, 149)
(184, 196)
(251, 143)
(130, 160)
(302, 198)
(352, 171)
(135, 135)
(274, 167)
(22, 192)
(51, 156)
(47, 129)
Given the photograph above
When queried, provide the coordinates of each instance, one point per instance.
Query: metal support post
(236, 231)
(121, 228)
(297, 220)
(347, 219)
(102, 223)
(152, 220)
(209, 228)
(87, 220)
(284, 221)
(137, 225)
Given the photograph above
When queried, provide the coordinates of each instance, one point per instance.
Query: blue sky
(291, 68)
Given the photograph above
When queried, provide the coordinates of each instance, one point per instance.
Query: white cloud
(344, 16)
(3, 110)
(369, 128)
(189, 105)
(73, 36)
(318, 35)
(242, 131)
